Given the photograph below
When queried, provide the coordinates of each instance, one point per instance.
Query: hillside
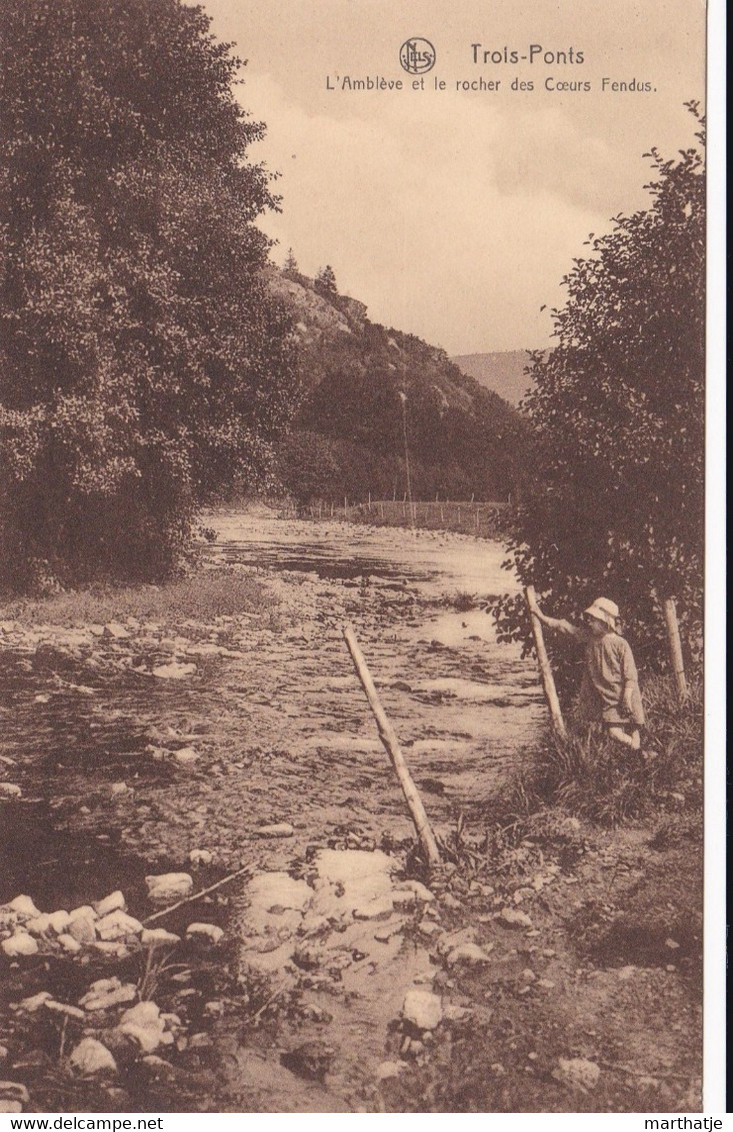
(348, 438)
(502, 372)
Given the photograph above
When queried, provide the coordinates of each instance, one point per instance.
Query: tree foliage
(143, 364)
(618, 409)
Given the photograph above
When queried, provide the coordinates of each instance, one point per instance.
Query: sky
(454, 213)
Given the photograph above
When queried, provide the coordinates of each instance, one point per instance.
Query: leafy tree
(142, 363)
(618, 408)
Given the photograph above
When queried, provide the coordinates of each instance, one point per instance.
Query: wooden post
(392, 746)
(675, 648)
(548, 680)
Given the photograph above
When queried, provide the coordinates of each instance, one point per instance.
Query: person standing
(609, 693)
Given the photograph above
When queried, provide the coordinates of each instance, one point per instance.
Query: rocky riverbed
(333, 973)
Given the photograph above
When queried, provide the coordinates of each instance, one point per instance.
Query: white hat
(604, 610)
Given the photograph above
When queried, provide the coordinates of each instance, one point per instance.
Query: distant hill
(348, 437)
(502, 372)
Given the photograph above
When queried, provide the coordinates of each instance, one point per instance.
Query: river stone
(13, 1091)
(84, 910)
(90, 1056)
(469, 953)
(82, 929)
(39, 925)
(116, 631)
(117, 925)
(174, 671)
(208, 931)
(104, 1000)
(64, 1008)
(69, 943)
(186, 756)
(24, 906)
(513, 918)
(154, 937)
(422, 1009)
(200, 857)
(420, 892)
(19, 944)
(279, 829)
(386, 1070)
(112, 903)
(577, 1072)
(144, 1024)
(59, 921)
(381, 908)
(35, 1002)
(169, 886)
(10, 790)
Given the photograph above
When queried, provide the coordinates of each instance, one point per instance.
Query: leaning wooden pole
(675, 648)
(392, 746)
(548, 680)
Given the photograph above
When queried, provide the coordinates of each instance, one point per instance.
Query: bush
(590, 776)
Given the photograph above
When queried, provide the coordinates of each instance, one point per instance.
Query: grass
(590, 776)
(202, 596)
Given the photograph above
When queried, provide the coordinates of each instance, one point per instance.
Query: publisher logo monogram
(417, 56)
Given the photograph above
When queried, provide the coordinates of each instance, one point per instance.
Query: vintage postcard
(352, 602)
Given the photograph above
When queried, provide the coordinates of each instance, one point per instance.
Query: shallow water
(283, 734)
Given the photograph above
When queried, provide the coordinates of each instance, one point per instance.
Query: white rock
(144, 1024)
(144, 1014)
(59, 921)
(389, 1069)
(577, 1072)
(469, 953)
(119, 788)
(422, 1009)
(279, 829)
(208, 931)
(4, 1053)
(82, 930)
(64, 1008)
(14, 1091)
(174, 671)
(10, 790)
(39, 925)
(381, 908)
(200, 857)
(83, 911)
(19, 944)
(105, 999)
(186, 755)
(117, 925)
(112, 903)
(169, 886)
(116, 631)
(69, 943)
(90, 1056)
(35, 1002)
(156, 937)
(24, 906)
(111, 948)
(420, 892)
(102, 985)
(513, 918)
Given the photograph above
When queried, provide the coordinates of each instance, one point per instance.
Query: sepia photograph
(353, 740)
